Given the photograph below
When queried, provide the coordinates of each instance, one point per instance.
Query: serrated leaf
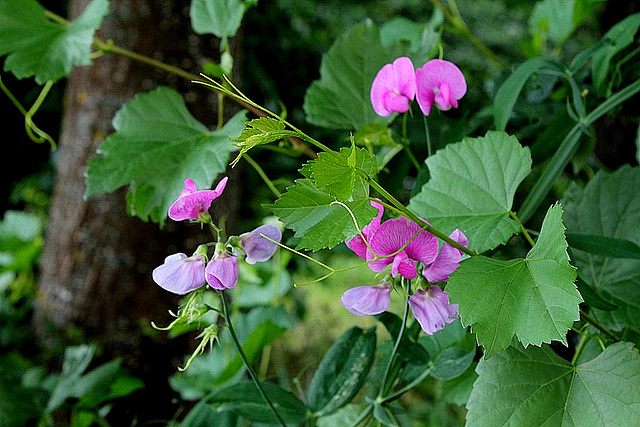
(534, 298)
(39, 47)
(261, 131)
(609, 206)
(318, 222)
(341, 98)
(338, 174)
(157, 145)
(536, 387)
(417, 40)
(221, 18)
(245, 400)
(342, 371)
(472, 186)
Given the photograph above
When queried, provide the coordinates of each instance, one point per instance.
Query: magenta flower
(256, 247)
(180, 274)
(356, 244)
(367, 300)
(432, 310)
(407, 238)
(447, 260)
(222, 272)
(393, 87)
(439, 82)
(191, 202)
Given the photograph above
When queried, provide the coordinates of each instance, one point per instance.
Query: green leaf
(452, 362)
(604, 246)
(416, 40)
(559, 18)
(508, 93)
(245, 400)
(536, 387)
(609, 206)
(533, 298)
(157, 145)
(316, 220)
(616, 40)
(374, 134)
(263, 130)
(342, 371)
(341, 98)
(458, 390)
(203, 415)
(338, 174)
(39, 47)
(345, 417)
(261, 336)
(409, 351)
(221, 18)
(472, 186)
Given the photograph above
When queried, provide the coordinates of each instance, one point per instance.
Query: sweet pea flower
(356, 244)
(256, 247)
(192, 202)
(393, 87)
(403, 235)
(432, 310)
(222, 271)
(447, 260)
(440, 82)
(180, 274)
(367, 300)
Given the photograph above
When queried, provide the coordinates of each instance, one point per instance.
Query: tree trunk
(95, 271)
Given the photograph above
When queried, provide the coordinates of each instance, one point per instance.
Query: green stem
(598, 325)
(232, 331)
(426, 133)
(408, 387)
(363, 415)
(525, 233)
(263, 175)
(568, 149)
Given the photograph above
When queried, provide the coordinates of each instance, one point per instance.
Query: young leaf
(317, 221)
(536, 387)
(533, 298)
(39, 47)
(157, 145)
(472, 187)
(263, 130)
(609, 206)
(221, 18)
(338, 175)
(341, 98)
(245, 400)
(342, 371)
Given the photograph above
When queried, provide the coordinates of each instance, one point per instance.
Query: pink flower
(191, 202)
(358, 245)
(393, 87)
(222, 272)
(432, 310)
(439, 82)
(447, 260)
(180, 274)
(257, 248)
(411, 243)
(367, 300)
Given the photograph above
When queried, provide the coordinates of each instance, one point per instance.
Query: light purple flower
(191, 202)
(440, 82)
(356, 244)
(432, 310)
(222, 272)
(367, 300)
(403, 235)
(393, 87)
(447, 260)
(180, 274)
(257, 248)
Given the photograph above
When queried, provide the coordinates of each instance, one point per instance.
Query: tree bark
(95, 271)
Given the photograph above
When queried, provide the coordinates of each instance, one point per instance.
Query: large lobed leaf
(533, 298)
(157, 145)
(472, 186)
(315, 217)
(526, 387)
(39, 47)
(609, 206)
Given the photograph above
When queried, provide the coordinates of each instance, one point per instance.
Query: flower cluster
(181, 274)
(410, 251)
(437, 82)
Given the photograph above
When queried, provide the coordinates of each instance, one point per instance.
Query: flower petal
(432, 310)
(256, 247)
(404, 265)
(367, 300)
(447, 261)
(393, 87)
(191, 203)
(356, 244)
(222, 272)
(180, 274)
(431, 79)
